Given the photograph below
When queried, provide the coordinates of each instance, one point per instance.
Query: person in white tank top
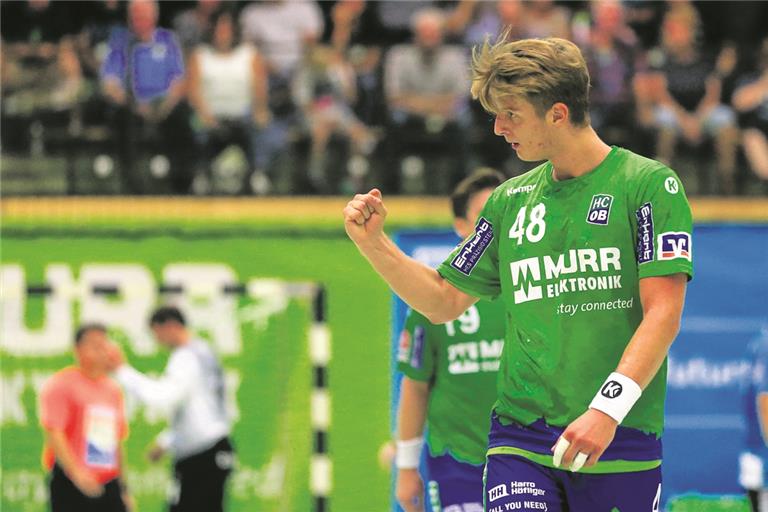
(228, 92)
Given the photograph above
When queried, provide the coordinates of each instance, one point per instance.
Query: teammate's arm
(411, 416)
(662, 299)
(79, 475)
(417, 284)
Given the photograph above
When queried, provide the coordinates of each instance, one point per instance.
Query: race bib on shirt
(101, 437)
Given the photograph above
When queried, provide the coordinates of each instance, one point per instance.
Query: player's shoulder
(61, 380)
(638, 169)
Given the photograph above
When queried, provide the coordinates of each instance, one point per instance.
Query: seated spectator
(143, 78)
(283, 31)
(325, 90)
(192, 25)
(681, 95)
(545, 19)
(41, 76)
(611, 54)
(426, 87)
(751, 101)
(476, 21)
(228, 91)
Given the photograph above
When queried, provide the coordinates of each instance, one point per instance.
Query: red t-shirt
(91, 414)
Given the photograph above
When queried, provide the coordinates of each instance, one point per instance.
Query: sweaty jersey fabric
(566, 257)
(460, 361)
(91, 414)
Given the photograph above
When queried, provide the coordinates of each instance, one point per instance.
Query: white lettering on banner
(11, 389)
(206, 308)
(704, 373)
(127, 311)
(529, 284)
(54, 337)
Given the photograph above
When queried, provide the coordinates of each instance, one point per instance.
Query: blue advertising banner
(726, 308)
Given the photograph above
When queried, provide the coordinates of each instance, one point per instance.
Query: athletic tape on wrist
(408, 453)
(616, 396)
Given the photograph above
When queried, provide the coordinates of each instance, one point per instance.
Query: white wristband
(408, 453)
(616, 396)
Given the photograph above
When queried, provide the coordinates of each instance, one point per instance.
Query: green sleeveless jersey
(566, 257)
(460, 361)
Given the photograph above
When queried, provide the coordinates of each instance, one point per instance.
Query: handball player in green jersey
(591, 252)
(449, 382)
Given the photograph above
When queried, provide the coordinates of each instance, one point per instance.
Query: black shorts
(200, 479)
(66, 497)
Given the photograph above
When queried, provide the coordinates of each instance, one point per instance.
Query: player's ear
(559, 112)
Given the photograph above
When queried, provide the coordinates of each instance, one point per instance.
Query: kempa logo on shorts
(521, 189)
(500, 491)
(530, 282)
(611, 389)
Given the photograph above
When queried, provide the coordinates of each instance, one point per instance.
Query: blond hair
(542, 71)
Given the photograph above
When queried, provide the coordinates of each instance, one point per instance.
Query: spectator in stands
(474, 21)
(283, 31)
(611, 55)
(192, 25)
(100, 20)
(543, 18)
(325, 90)
(683, 91)
(228, 91)
(751, 100)
(143, 78)
(41, 75)
(83, 416)
(426, 90)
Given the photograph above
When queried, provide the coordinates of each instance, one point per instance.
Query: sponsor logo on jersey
(500, 491)
(474, 247)
(417, 354)
(671, 185)
(404, 346)
(521, 189)
(474, 357)
(674, 245)
(611, 389)
(600, 209)
(644, 249)
(533, 278)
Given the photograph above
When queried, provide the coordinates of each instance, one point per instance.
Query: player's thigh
(515, 483)
(637, 491)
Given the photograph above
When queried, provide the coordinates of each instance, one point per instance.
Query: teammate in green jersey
(450, 382)
(590, 252)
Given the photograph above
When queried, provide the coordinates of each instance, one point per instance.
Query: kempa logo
(529, 280)
(671, 185)
(611, 389)
(518, 190)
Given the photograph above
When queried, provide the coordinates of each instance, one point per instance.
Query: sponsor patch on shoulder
(644, 249)
(417, 355)
(474, 247)
(674, 245)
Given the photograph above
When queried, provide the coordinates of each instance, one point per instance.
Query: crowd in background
(331, 97)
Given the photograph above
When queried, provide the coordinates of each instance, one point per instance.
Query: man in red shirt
(82, 414)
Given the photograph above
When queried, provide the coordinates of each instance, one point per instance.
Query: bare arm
(418, 285)
(750, 96)
(195, 90)
(411, 415)
(662, 299)
(762, 414)
(79, 475)
(260, 91)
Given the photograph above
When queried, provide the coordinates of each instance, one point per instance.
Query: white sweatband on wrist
(616, 396)
(408, 453)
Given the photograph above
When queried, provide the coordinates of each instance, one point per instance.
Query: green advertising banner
(260, 336)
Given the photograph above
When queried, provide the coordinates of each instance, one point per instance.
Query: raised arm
(420, 286)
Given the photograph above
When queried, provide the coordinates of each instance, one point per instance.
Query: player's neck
(578, 153)
(91, 372)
